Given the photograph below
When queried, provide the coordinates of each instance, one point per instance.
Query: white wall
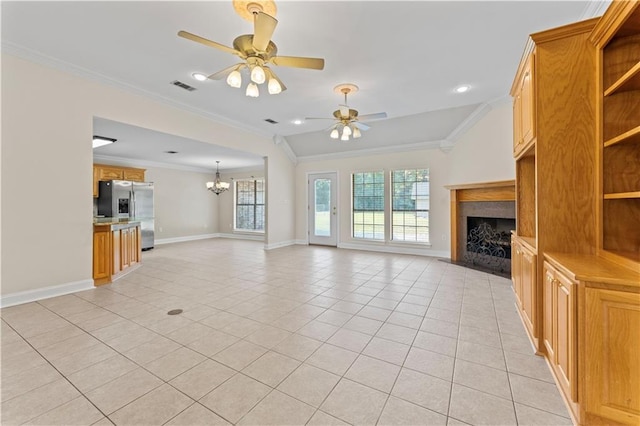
(47, 118)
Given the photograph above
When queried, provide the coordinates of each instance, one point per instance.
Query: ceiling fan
(257, 51)
(348, 120)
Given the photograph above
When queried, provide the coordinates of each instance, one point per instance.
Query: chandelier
(218, 186)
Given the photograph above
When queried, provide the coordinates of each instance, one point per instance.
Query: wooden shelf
(629, 81)
(632, 135)
(622, 195)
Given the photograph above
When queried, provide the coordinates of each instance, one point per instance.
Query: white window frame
(235, 205)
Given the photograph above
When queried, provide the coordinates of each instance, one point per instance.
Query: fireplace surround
(492, 204)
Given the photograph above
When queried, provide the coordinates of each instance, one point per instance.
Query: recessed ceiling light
(297, 122)
(463, 88)
(199, 76)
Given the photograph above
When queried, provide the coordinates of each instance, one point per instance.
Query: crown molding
(373, 151)
(471, 120)
(284, 145)
(42, 59)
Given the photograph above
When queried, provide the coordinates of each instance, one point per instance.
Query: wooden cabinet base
(116, 251)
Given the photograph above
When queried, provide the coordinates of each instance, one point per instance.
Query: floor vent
(183, 85)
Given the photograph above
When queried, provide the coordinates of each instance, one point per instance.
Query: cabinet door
(527, 108)
(548, 308)
(565, 335)
(101, 257)
(612, 364)
(517, 123)
(136, 175)
(516, 271)
(109, 173)
(528, 273)
(117, 260)
(125, 244)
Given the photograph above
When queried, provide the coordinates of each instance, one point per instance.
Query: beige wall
(46, 131)
(183, 206)
(485, 152)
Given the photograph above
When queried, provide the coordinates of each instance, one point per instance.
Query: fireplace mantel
(504, 190)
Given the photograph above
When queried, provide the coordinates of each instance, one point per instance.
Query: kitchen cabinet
(116, 250)
(105, 172)
(101, 253)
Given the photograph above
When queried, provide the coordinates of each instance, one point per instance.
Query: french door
(323, 209)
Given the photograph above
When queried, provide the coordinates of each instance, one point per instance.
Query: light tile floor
(297, 335)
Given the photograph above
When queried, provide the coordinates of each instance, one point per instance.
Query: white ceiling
(406, 57)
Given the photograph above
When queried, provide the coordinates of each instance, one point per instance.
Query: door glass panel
(322, 207)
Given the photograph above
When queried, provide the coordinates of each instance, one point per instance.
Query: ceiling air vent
(183, 85)
(269, 120)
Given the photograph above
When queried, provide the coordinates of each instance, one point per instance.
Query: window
(249, 205)
(368, 205)
(410, 205)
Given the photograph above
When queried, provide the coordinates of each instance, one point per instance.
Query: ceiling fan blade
(207, 42)
(225, 72)
(372, 116)
(299, 62)
(344, 111)
(264, 26)
(361, 126)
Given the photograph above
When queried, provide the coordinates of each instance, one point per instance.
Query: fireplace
(482, 218)
(489, 242)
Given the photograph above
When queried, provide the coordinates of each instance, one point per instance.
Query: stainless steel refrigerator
(123, 199)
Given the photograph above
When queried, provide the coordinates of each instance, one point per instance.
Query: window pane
(368, 205)
(410, 205)
(322, 207)
(250, 205)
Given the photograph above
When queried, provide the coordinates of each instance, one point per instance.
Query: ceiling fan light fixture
(346, 131)
(335, 134)
(252, 91)
(234, 79)
(274, 86)
(257, 74)
(356, 133)
(344, 137)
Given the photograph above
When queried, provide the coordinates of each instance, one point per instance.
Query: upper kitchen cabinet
(524, 129)
(618, 132)
(104, 172)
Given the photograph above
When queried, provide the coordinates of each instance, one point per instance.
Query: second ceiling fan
(257, 51)
(348, 121)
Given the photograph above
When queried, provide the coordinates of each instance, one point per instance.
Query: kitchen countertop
(115, 223)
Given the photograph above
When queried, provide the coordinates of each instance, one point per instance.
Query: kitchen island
(116, 249)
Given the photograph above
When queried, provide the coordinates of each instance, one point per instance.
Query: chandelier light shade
(234, 79)
(257, 74)
(346, 131)
(274, 87)
(252, 90)
(218, 186)
(335, 134)
(356, 133)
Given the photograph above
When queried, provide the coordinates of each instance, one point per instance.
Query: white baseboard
(251, 237)
(279, 245)
(302, 242)
(184, 239)
(384, 248)
(44, 293)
